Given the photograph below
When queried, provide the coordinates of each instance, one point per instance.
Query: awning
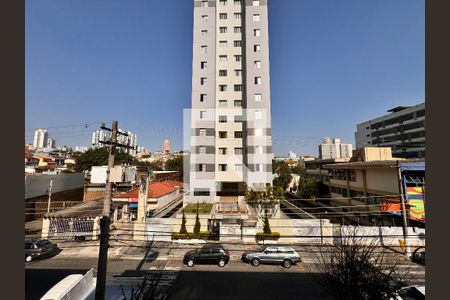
(132, 205)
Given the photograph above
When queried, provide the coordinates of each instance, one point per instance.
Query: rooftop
(155, 189)
(398, 108)
(372, 164)
(86, 209)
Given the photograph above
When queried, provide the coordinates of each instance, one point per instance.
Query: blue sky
(333, 64)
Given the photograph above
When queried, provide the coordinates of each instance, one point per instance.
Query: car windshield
(42, 243)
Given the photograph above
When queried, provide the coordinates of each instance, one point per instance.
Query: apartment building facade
(231, 145)
(403, 130)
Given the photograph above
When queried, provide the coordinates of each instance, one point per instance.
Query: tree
(284, 174)
(358, 268)
(307, 188)
(175, 164)
(183, 229)
(266, 202)
(197, 223)
(99, 157)
(155, 166)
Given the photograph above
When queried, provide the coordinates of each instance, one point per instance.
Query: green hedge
(202, 235)
(274, 236)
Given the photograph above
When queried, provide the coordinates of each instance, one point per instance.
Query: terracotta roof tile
(155, 189)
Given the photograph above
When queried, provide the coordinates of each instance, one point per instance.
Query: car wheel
(28, 258)
(255, 262)
(221, 263)
(287, 263)
(190, 263)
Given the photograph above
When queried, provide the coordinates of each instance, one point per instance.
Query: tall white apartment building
(130, 139)
(231, 143)
(99, 136)
(332, 148)
(40, 139)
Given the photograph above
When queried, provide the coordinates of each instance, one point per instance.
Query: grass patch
(204, 208)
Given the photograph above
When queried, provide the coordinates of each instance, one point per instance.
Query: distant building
(118, 174)
(98, 137)
(40, 139)
(166, 150)
(130, 139)
(403, 130)
(51, 144)
(332, 148)
(292, 155)
(81, 149)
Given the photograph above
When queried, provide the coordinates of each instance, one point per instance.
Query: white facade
(292, 155)
(51, 144)
(332, 148)
(99, 136)
(40, 139)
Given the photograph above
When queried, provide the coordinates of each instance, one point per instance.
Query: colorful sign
(415, 197)
(391, 205)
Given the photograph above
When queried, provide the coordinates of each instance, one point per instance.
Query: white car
(412, 292)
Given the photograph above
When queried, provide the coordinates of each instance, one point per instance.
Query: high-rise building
(231, 143)
(166, 150)
(332, 148)
(129, 139)
(99, 136)
(40, 139)
(51, 144)
(403, 130)
(292, 155)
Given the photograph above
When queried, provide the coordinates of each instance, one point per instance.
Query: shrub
(261, 236)
(183, 229)
(202, 235)
(266, 228)
(197, 224)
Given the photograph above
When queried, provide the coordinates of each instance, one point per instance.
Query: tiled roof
(373, 164)
(155, 189)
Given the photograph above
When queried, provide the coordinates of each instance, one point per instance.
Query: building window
(223, 2)
(203, 80)
(238, 43)
(203, 97)
(238, 118)
(201, 192)
(238, 29)
(222, 119)
(203, 65)
(223, 151)
(258, 132)
(222, 134)
(237, 2)
(223, 29)
(202, 132)
(223, 58)
(259, 168)
(256, 18)
(258, 80)
(222, 167)
(222, 73)
(237, 16)
(258, 64)
(238, 151)
(202, 167)
(238, 58)
(222, 16)
(238, 103)
(257, 48)
(238, 73)
(204, 3)
(222, 103)
(255, 2)
(238, 87)
(257, 32)
(223, 44)
(259, 150)
(258, 114)
(203, 114)
(258, 97)
(238, 134)
(223, 87)
(204, 49)
(202, 149)
(204, 19)
(238, 168)
(204, 32)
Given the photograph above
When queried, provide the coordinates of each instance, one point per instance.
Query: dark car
(272, 255)
(419, 255)
(39, 249)
(208, 254)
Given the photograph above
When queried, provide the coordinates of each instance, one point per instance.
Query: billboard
(415, 197)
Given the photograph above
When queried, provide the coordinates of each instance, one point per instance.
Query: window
(256, 18)
(223, 2)
(238, 134)
(202, 132)
(201, 192)
(238, 118)
(257, 32)
(203, 114)
(222, 119)
(202, 149)
(257, 48)
(223, 58)
(222, 73)
(259, 150)
(258, 64)
(258, 80)
(238, 58)
(238, 103)
(204, 3)
(204, 49)
(223, 44)
(223, 29)
(204, 32)
(222, 103)
(258, 97)
(258, 132)
(237, 2)
(238, 87)
(222, 16)
(223, 151)
(258, 114)
(203, 97)
(222, 167)
(238, 168)
(259, 168)
(238, 73)
(203, 80)
(202, 167)
(238, 29)
(222, 134)
(238, 151)
(203, 65)
(204, 19)
(222, 87)
(237, 16)
(238, 43)
(255, 2)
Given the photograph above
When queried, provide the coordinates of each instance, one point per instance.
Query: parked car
(272, 255)
(208, 254)
(412, 292)
(39, 249)
(419, 255)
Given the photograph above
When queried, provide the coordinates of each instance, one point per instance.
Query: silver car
(272, 255)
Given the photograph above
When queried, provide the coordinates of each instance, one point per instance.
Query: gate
(214, 229)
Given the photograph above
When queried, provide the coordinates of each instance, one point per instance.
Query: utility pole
(49, 195)
(403, 207)
(105, 220)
